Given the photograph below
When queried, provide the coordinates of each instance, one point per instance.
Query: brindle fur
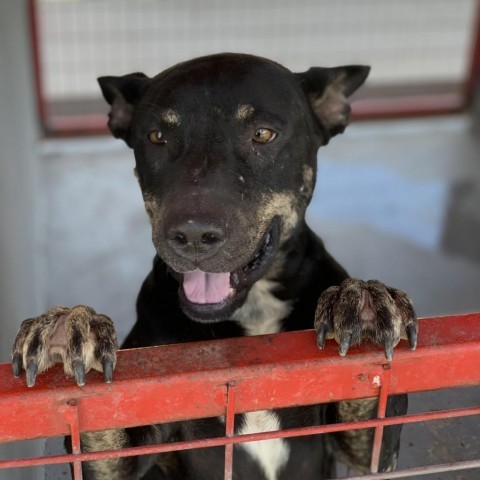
(78, 337)
(218, 202)
(386, 315)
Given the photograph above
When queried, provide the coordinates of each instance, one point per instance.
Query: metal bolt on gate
(156, 385)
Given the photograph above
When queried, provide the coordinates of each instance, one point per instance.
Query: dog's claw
(17, 365)
(358, 310)
(344, 344)
(83, 340)
(79, 371)
(388, 348)
(321, 333)
(32, 369)
(412, 332)
(107, 369)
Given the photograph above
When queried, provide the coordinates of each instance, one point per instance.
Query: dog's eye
(156, 137)
(264, 135)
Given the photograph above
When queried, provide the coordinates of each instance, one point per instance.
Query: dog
(226, 150)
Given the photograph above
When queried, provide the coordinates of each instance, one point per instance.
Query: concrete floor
(395, 200)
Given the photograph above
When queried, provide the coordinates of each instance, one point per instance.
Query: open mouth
(210, 297)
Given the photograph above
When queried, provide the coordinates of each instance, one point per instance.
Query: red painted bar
(417, 471)
(381, 413)
(229, 430)
(36, 63)
(221, 441)
(420, 105)
(473, 81)
(188, 381)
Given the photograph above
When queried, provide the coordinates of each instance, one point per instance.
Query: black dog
(226, 150)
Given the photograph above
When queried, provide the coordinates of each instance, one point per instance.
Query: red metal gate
(224, 377)
(390, 105)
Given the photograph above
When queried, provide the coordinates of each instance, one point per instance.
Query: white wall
(19, 292)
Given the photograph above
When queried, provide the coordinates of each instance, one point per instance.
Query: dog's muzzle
(209, 297)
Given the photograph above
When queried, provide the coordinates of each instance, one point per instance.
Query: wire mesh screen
(406, 42)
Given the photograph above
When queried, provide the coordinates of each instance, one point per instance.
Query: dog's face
(225, 150)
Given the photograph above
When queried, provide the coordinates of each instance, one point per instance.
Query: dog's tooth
(234, 280)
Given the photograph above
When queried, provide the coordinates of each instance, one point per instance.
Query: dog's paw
(78, 337)
(357, 310)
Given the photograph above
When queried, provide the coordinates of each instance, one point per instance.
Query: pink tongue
(202, 287)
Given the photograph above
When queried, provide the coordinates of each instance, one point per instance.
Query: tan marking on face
(171, 117)
(308, 177)
(287, 207)
(282, 205)
(244, 112)
(153, 210)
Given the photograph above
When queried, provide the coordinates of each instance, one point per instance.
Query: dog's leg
(354, 448)
(159, 466)
(115, 468)
(351, 313)
(80, 339)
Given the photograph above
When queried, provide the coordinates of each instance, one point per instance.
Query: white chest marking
(272, 455)
(262, 312)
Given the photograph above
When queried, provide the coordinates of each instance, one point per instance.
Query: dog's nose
(195, 239)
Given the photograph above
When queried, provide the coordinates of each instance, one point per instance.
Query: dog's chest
(271, 455)
(262, 312)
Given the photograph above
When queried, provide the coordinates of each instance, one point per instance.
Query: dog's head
(225, 150)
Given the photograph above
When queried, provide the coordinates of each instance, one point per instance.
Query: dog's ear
(327, 90)
(122, 93)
